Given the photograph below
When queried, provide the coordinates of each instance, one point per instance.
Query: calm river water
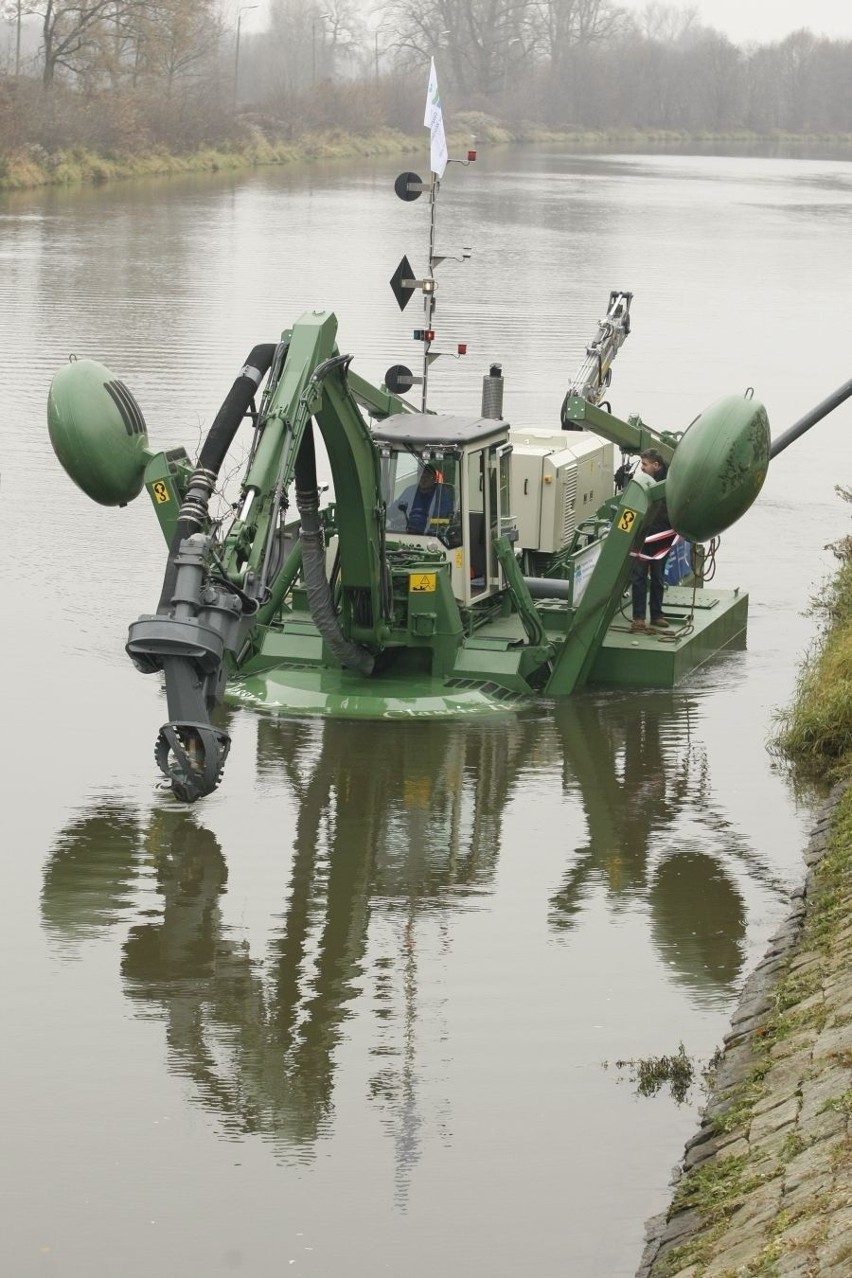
(359, 1011)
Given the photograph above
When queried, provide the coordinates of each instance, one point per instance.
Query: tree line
(129, 74)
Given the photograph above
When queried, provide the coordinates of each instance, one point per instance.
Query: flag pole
(429, 294)
(434, 121)
(409, 186)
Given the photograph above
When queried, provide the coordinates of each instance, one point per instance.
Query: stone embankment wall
(765, 1187)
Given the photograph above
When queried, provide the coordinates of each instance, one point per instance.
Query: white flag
(434, 121)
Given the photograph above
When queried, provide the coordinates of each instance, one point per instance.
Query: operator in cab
(427, 503)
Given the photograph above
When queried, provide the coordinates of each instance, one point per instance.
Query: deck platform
(701, 623)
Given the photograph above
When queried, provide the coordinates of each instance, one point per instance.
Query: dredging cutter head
(187, 642)
(191, 756)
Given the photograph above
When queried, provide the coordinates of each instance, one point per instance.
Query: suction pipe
(193, 513)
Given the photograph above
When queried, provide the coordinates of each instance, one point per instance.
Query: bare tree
(345, 29)
(713, 84)
(70, 29)
(666, 23)
(796, 57)
(828, 103)
(564, 25)
(471, 38)
(121, 40)
(309, 42)
(174, 40)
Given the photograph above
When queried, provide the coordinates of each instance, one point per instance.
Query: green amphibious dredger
(465, 564)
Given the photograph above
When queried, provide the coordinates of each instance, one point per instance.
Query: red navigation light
(462, 348)
(429, 335)
(471, 156)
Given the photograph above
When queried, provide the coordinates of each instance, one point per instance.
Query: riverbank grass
(258, 141)
(34, 166)
(815, 733)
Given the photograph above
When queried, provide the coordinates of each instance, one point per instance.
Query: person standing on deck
(654, 466)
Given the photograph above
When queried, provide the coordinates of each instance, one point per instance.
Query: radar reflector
(402, 282)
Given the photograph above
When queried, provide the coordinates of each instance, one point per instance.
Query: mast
(429, 293)
(409, 186)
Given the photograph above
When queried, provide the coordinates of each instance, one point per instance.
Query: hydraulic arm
(213, 592)
(594, 375)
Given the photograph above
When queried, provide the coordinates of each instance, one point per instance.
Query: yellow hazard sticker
(422, 583)
(627, 520)
(459, 559)
(161, 492)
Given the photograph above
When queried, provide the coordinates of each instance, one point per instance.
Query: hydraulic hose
(320, 601)
(193, 512)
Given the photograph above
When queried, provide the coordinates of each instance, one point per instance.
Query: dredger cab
(533, 486)
(456, 471)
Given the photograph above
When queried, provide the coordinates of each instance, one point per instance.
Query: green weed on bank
(815, 733)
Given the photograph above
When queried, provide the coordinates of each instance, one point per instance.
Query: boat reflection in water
(398, 827)
(657, 833)
(90, 879)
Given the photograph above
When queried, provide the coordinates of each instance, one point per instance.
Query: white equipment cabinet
(558, 479)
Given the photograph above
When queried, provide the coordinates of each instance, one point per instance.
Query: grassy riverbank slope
(257, 145)
(34, 166)
(816, 731)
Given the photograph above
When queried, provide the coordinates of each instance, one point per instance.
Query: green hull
(717, 619)
(341, 694)
(486, 680)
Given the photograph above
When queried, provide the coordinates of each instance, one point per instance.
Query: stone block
(833, 1041)
(811, 1163)
(751, 1011)
(807, 1190)
(787, 1075)
(832, 1081)
(775, 1095)
(840, 1226)
(825, 1126)
(814, 1002)
(732, 1255)
(795, 1264)
(804, 1234)
(778, 1118)
(798, 1044)
(841, 1009)
(758, 1209)
(681, 1226)
(843, 1182)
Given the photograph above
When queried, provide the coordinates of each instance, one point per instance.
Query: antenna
(409, 186)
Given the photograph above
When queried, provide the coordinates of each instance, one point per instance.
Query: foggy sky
(766, 21)
(762, 21)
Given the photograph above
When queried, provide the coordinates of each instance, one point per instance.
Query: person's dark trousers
(642, 570)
